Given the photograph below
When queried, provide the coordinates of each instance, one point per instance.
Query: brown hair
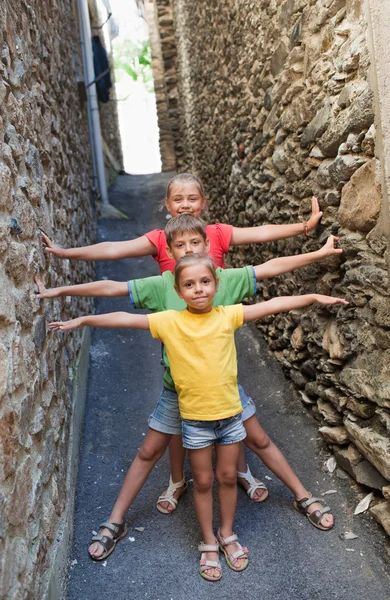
(194, 259)
(185, 178)
(182, 224)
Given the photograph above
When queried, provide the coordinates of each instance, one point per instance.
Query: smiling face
(197, 287)
(187, 242)
(185, 198)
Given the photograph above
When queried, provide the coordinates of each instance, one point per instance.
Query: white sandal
(253, 484)
(168, 496)
(206, 564)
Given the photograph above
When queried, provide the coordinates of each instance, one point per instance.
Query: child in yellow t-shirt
(201, 351)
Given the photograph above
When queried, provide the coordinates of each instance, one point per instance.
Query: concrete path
(289, 558)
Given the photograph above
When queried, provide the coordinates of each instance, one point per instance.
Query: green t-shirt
(158, 294)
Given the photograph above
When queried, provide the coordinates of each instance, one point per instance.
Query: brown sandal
(316, 516)
(108, 544)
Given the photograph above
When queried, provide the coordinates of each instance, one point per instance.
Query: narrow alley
(158, 559)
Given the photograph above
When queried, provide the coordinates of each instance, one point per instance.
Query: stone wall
(160, 25)
(45, 180)
(277, 105)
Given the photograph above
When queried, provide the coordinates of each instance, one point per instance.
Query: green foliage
(134, 59)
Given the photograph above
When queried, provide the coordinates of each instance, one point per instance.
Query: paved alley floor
(289, 558)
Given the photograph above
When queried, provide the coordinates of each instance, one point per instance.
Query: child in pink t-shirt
(185, 194)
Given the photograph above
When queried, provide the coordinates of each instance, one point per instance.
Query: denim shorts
(166, 416)
(200, 434)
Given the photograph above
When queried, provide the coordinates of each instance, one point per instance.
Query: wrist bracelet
(306, 228)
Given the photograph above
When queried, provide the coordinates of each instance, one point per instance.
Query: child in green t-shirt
(200, 347)
(186, 234)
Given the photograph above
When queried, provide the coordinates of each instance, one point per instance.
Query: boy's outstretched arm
(116, 319)
(278, 266)
(95, 289)
(286, 303)
(141, 246)
(270, 233)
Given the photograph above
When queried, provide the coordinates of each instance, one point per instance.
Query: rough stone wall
(166, 143)
(45, 179)
(276, 106)
(165, 57)
(108, 111)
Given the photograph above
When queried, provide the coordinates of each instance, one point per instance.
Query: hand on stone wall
(51, 247)
(44, 292)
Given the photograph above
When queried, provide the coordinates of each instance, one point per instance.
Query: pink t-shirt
(219, 235)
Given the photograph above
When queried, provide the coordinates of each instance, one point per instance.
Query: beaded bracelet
(306, 228)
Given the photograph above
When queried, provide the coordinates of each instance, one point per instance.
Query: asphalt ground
(289, 558)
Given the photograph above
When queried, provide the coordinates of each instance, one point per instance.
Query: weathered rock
(339, 170)
(381, 513)
(359, 116)
(361, 199)
(333, 341)
(386, 492)
(375, 446)
(334, 396)
(330, 415)
(362, 409)
(317, 126)
(360, 469)
(334, 435)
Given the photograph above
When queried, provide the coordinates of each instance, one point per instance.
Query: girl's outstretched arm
(141, 246)
(95, 289)
(278, 266)
(270, 233)
(286, 303)
(116, 319)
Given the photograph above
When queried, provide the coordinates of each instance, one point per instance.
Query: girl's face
(185, 198)
(197, 288)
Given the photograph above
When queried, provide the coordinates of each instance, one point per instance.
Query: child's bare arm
(95, 289)
(141, 246)
(270, 233)
(286, 303)
(278, 266)
(116, 319)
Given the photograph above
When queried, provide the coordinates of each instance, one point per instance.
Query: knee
(150, 453)
(260, 442)
(204, 482)
(227, 476)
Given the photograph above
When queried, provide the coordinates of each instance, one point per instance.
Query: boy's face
(185, 198)
(197, 288)
(189, 242)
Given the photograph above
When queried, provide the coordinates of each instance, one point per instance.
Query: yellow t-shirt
(202, 355)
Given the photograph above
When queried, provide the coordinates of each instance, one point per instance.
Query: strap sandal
(316, 516)
(241, 552)
(206, 564)
(168, 496)
(108, 543)
(253, 485)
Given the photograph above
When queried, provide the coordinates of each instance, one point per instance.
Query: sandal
(108, 544)
(253, 485)
(206, 564)
(316, 516)
(242, 552)
(168, 496)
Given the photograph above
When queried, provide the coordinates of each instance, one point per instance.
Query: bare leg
(259, 495)
(152, 449)
(202, 472)
(226, 472)
(177, 455)
(259, 442)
